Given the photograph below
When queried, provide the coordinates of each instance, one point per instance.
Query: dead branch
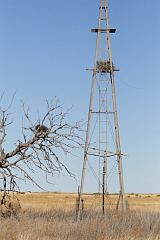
(39, 148)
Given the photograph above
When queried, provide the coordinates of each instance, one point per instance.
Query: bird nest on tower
(104, 67)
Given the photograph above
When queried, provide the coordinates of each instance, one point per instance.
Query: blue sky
(45, 47)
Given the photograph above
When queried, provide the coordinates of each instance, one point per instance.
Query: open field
(67, 201)
(49, 216)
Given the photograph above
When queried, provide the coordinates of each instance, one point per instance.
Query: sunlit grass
(52, 216)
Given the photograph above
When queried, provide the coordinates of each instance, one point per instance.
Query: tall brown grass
(61, 225)
(37, 221)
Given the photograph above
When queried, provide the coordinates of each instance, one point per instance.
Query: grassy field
(46, 216)
(67, 201)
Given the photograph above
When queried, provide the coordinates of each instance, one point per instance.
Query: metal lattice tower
(103, 109)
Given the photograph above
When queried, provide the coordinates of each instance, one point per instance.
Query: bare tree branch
(43, 141)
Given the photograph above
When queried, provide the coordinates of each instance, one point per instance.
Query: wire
(94, 173)
(112, 171)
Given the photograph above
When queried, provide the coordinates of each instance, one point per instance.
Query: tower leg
(89, 118)
(118, 146)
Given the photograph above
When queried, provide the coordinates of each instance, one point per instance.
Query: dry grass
(149, 202)
(52, 216)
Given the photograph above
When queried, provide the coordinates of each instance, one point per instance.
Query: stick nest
(104, 67)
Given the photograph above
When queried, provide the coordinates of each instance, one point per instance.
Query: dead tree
(39, 148)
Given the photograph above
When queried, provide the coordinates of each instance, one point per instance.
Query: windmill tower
(102, 127)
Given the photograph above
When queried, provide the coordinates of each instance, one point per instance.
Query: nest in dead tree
(40, 128)
(104, 67)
